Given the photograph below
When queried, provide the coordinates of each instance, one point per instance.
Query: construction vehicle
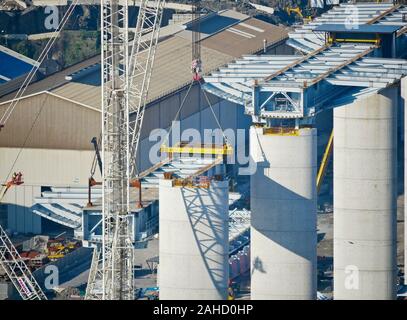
(57, 249)
(305, 18)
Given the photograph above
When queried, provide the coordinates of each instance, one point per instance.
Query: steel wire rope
(214, 114)
(39, 61)
(25, 141)
(178, 112)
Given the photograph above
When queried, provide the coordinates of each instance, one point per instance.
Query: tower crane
(125, 82)
(126, 74)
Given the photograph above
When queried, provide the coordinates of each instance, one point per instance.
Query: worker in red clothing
(196, 69)
(16, 179)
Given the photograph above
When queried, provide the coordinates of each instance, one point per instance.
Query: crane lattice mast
(117, 246)
(126, 78)
(142, 58)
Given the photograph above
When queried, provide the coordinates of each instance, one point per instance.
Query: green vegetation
(76, 46)
(70, 48)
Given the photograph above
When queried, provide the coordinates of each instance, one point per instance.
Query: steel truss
(17, 270)
(126, 74)
(117, 246)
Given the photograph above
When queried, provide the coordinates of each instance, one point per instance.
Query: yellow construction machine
(298, 11)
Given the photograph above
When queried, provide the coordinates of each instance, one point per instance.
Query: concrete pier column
(283, 205)
(365, 149)
(404, 102)
(193, 241)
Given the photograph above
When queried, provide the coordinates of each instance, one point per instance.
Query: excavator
(305, 18)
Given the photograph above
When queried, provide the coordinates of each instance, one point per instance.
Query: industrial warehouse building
(48, 135)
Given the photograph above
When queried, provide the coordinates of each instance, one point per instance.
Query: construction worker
(196, 69)
(231, 292)
(18, 178)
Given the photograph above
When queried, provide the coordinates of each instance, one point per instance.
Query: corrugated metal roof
(53, 80)
(172, 68)
(213, 23)
(245, 37)
(49, 122)
(363, 28)
(173, 61)
(81, 92)
(171, 72)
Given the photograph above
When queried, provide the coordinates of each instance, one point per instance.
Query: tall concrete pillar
(283, 205)
(193, 241)
(404, 97)
(365, 149)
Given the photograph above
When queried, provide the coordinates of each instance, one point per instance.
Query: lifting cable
(214, 114)
(24, 144)
(39, 62)
(182, 105)
(263, 154)
(26, 83)
(178, 112)
(167, 136)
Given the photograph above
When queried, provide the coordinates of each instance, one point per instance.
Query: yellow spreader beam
(182, 148)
